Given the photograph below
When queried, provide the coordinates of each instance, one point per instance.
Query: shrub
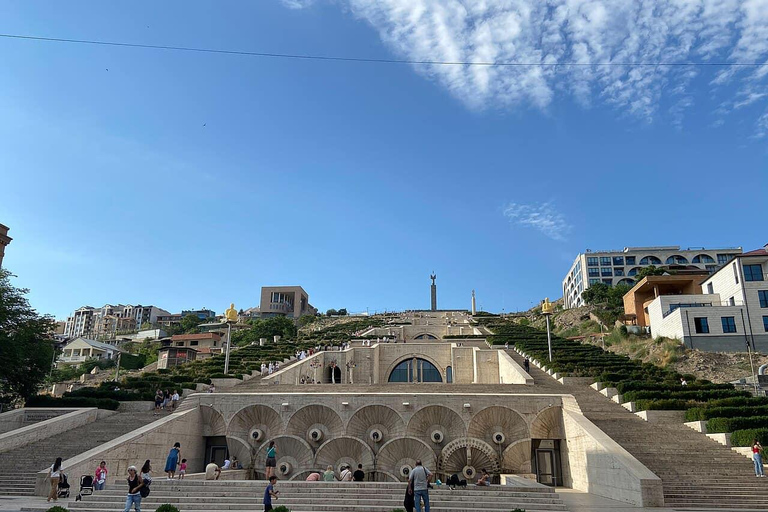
(706, 413)
(166, 508)
(718, 425)
(281, 508)
(69, 401)
(57, 509)
(745, 437)
(662, 405)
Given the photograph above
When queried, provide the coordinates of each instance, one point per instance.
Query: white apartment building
(731, 312)
(107, 320)
(620, 267)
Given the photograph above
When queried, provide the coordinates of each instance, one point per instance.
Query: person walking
(527, 365)
(359, 475)
(134, 490)
(419, 479)
(408, 501)
(757, 458)
(328, 475)
(271, 460)
(270, 493)
(54, 474)
(101, 476)
(173, 460)
(175, 400)
(158, 401)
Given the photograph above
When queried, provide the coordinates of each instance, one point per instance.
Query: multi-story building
(620, 267)
(175, 319)
(108, 319)
(729, 313)
(4, 240)
(291, 301)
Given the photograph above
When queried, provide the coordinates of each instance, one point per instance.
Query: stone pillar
(433, 289)
(474, 304)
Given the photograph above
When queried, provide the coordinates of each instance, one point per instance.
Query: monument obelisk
(434, 291)
(474, 304)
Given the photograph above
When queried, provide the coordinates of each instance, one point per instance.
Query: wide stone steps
(20, 466)
(695, 471)
(236, 496)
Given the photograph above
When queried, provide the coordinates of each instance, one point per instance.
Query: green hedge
(662, 405)
(745, 437)
(50, 401)
(122, 395)
(699, 396)
(718, 425)
(706, 413)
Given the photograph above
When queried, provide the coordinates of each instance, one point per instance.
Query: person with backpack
(419, 479)
(135, 484)
(54, 474)
(271, 459)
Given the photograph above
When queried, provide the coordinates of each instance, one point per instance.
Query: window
(448, 374)
(179, 343)
(605, 260)
(729, 324)
(711, 268)
(606, 272)
(609, 282)
(735, 274)
(763, 296)
(765, 323)
(710, 288)
(594, 272)
(593, 281)
(193, 343)
(631, 260)
(592, 261)
(703, 258)
(618, 271)
(416, 370)
(650, 260)
(753, 272)
(732, 301)
(677, 260)
(701, 325)
(633, 272)
(722, 259)
(618, 261)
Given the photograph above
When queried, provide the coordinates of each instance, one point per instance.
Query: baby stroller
(86, 487)
(63, 488)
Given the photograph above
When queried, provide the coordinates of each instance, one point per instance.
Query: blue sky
(188, 180)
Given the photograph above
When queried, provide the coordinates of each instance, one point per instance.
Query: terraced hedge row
(648, 385)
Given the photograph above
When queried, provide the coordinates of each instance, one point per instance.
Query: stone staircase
(242, 496)
(696, 471)
(18, 468)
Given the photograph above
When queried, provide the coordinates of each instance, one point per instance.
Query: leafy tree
(26, 348)
(189, 324)
(343, 312)
(265, 328)
(609, 301)
(652, 270)
(331, 312)
(306, 320)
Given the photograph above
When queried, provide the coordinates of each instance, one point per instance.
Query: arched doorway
(334, 375)
(415, 369)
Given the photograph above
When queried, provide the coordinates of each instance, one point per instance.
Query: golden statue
(547, 308)
(231, 313)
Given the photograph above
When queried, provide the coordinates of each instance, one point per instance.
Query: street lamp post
(315, 365)
(547, 309)
(231, 317)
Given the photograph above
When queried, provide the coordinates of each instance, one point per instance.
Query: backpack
(144, 491)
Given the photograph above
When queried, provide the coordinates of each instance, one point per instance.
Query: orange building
(648, 288)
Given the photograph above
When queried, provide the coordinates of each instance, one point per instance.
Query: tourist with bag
(134, 490)
(54, 474)
(757, 458)
(419, 479)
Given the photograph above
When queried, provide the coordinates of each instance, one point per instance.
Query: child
(182, 469)
(270, 493)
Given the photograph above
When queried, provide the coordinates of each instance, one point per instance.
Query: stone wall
(18, 418)
(152, 442)
(44, 429)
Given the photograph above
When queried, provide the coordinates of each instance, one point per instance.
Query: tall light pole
(230, 316)
(547, 308)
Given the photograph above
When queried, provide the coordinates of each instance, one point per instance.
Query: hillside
(582, 324)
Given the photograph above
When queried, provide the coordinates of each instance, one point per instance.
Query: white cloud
(587, 32)
(297, 4)
(540, 216)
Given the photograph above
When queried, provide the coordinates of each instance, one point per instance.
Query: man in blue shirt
(270, 493)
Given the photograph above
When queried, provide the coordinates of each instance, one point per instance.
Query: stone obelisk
(474, 304)
(434, 291)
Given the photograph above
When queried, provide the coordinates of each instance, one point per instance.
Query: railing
(721, 304)
(72, 359)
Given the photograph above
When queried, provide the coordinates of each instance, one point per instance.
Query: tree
(331, 312)
(609, 301)
(189, 324)
(343, 312)
(305, 320)
(26, 347)
(652, 270)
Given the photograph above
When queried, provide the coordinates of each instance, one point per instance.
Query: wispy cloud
(297, 4)
(540, 216)
(587, 32)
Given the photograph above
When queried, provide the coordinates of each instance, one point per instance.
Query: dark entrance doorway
(216, 449)
(334, 375)
(546, 461)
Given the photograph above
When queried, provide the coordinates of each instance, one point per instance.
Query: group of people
(166, 401)
(269, 369)
(346, 475)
